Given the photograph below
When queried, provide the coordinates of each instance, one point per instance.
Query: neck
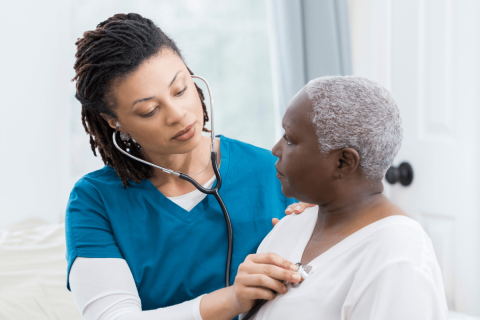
(350, 209)
(191, 163)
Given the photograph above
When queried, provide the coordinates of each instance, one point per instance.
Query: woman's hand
(261, 276)
(297, 208)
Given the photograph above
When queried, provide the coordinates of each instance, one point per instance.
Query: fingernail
(297, 277)
(294, 267)
(298, 208)
(288, 209)
(284, 289)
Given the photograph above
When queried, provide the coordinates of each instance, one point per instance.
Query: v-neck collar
(188, 216)
(347, 243)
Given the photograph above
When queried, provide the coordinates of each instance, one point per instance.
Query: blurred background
(256, 55)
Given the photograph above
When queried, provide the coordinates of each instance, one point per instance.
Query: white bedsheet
(33, 273)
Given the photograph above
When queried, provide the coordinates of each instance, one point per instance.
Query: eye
(178, 94)
(286, 139)
(151, 113)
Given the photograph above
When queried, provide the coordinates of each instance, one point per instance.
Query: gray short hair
(355, 112)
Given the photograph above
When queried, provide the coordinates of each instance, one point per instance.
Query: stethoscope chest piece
(304, 272)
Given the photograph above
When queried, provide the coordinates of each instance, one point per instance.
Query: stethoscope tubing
(216, 194)
(254, 310)
(214, 190)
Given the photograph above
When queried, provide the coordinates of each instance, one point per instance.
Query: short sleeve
(87, 227)
(401, 291)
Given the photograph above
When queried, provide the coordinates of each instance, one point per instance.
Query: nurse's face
(304, 172)
(159, 106)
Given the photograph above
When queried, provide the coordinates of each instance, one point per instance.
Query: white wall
(35, 66)
(45, 149)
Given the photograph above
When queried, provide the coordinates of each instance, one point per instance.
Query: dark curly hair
(115, 49)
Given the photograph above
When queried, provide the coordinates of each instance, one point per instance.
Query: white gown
(387, 270)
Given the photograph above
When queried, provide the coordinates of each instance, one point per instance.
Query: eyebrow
(142, 100)
(149, 98)
(175, 77)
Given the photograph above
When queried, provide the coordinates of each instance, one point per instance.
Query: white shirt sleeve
(400, 291)
(104, 289)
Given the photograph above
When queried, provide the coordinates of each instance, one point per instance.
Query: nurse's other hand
(261, 276)
(275, 221)
(298, 207)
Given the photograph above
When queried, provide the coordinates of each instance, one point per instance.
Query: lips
(278, 172)
(184, 133)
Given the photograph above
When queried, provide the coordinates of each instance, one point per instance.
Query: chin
(194, 142)
(289, 193)
(286, 191)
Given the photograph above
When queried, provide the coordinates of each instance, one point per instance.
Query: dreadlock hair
(114, 50)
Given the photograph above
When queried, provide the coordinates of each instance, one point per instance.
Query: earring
(123, 135)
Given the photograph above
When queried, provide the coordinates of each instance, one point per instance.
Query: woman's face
(303, 171)
(159, 106)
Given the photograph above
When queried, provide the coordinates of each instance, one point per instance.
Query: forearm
(105, 289)
(219, 305)
(188, 310)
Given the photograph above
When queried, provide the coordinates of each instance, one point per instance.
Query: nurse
(142, 244)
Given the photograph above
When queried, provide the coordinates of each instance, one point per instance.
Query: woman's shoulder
(106, 173)
(400, 253)
(287, 231)
(104, 177)
(296, 223)
(397, 239)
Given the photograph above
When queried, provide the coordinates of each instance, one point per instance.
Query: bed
(33, 273)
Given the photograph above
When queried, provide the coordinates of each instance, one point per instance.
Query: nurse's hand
(298, 207)
(294, 208)
(261, 276)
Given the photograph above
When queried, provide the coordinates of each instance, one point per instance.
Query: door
(427, 52)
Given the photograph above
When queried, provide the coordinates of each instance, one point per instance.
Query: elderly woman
(368, 259)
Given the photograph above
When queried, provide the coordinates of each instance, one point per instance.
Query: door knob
(403, 174)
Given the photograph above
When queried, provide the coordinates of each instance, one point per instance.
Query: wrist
(231, 300)
(220, 304)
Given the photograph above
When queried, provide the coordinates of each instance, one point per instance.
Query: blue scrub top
(175, 255)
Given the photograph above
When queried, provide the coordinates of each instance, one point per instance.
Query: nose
(277, 149)
(174, 113)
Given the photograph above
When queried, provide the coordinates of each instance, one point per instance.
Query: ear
(348, 161)
(112, 122)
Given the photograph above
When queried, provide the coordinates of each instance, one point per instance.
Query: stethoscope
(213, 190)
(304, 272)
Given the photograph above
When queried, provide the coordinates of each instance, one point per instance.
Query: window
(227, 42)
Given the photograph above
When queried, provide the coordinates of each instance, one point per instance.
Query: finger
(251, 293)
(272, 258)
(263, 281)
(289, 210)
(274, 272)
(275, 221)
(271, 270)
(297, 207)
(301, 206)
